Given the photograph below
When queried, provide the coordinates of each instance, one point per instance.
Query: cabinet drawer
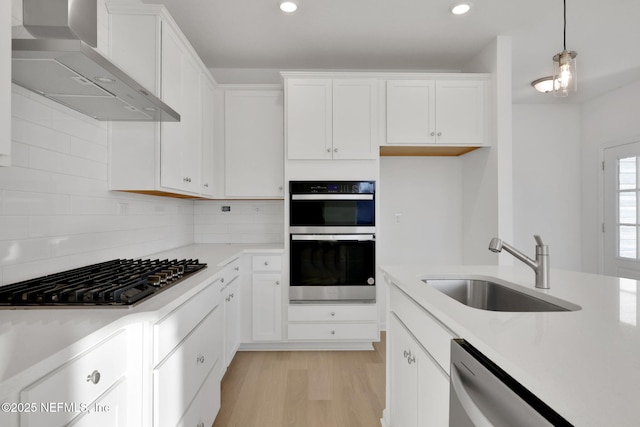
(108, 411)
(80, 381)
(328, 313)
(333, 331)
(266, 263)
(179, 377)
(433, 336)
(175, 326)
(229, 273)
(205, 405)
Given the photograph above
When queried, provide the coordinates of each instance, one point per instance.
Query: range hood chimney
(61, 64)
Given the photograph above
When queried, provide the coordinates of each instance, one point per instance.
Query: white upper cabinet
(331, 118)
(168, 158)
(207, 93)
(437, 111)
(5, 83)
(254, 144)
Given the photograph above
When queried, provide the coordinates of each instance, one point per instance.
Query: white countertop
(30, 336)
(585, 364)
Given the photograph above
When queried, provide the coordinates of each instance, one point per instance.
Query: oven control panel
(332, 187)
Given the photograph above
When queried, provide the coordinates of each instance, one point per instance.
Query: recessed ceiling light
(289, 6)
(460, 8)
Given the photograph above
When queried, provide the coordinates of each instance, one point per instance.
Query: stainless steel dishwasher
(483, 395)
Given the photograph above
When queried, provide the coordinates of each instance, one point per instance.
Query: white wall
(607, 120)
(547, 182)
(426, 193)
(55, 208)
(487, 172)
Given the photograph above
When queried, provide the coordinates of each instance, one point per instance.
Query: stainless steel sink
(486, 295)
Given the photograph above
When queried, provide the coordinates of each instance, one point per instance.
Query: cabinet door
(411, 112)
(5, 83)
(403, 378)
(207, 135)
(354, 124)
(191, 123)
(231, 321)
(267, 307)
(419, 388)
(460, 114)
(254, 143)
(309, 118)
(171, 134)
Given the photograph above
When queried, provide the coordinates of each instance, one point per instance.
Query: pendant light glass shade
(564, 73)
(565, 79)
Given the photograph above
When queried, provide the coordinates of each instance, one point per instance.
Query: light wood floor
(304, 389)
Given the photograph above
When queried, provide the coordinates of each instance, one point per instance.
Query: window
(627, 196)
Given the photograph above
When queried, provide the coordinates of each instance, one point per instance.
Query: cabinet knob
(227, 299)
(206, 185)
(406, 354)
(333, 332)
(335, 150)
(328, 150)
(200, 359)
(200, 424)
(411, 359)
(237, 268)
(433, 134)
(333, 313)
(439, 133)
(231, 296)
(280, 188)
(222, 280)
(266, 263)
(277, 282)
(94, 377)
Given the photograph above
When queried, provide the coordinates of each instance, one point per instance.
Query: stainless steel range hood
(61, 64)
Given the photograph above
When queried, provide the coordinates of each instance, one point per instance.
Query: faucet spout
(540, 265)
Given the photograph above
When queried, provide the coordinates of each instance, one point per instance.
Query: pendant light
(564, 66)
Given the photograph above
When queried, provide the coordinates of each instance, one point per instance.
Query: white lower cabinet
(266, 297)
(418, 363)
(419, 388)
(179, 377)
(333, 322)
(90, 389)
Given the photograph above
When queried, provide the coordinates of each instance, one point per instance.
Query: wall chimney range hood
(61, 64)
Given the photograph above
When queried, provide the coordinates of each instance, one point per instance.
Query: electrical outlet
(123, 208)
(225, 208)
(397, 218)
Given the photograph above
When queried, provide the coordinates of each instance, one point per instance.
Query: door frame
(601, 193)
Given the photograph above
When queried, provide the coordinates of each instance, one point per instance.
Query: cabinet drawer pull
(200, 359)
(411, 359)
(266, 263)
(335, 150)
(333, 332)
(333, 314)
(277, 282)
(433, 134)
(94, 377)
(406, 354)
(439, 133)
(237, 268)
(200, 424)
(328, 150)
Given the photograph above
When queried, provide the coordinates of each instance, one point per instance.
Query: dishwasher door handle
(474, 413)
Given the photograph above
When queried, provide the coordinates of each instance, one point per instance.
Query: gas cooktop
(119, 282)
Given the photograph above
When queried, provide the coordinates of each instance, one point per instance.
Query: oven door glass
(332, 212)
(318, 260)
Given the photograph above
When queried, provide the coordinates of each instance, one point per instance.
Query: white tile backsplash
(249, 221)
(55, 208)
(57, 213)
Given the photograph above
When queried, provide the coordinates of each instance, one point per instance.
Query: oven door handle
(332, 197)
(334, 237)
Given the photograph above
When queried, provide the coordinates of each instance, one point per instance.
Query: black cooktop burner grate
(119, 282)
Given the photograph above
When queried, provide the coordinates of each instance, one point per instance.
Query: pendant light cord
(564, 31)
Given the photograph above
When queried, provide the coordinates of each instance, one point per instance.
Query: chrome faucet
(540, 265)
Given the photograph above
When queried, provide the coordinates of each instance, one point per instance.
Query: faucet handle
(538, 240)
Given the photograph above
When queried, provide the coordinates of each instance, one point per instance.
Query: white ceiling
(413, 35)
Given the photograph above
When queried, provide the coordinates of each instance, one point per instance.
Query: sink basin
(486, 295)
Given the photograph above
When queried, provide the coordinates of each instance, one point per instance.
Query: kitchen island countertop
(585, 364)
(34, 340)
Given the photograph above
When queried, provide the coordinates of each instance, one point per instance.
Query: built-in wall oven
(332, 241)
